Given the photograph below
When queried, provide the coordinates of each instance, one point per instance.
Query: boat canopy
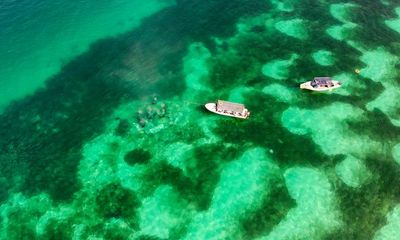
(321, 81)
(230, 106)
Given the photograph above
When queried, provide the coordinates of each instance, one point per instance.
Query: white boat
(229, 109)
(321, 84)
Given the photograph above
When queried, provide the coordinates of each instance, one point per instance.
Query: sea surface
(104, 134)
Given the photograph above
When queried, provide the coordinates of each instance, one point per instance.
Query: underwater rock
(151, 114)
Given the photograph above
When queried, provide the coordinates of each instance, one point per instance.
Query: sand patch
(353, 172)
(328, 129)
(323, 57)
(279, 69)
(391, 230)
(315, 214)
(296, 28)
(394, 23)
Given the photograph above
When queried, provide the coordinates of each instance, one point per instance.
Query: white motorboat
(321, 84)
(229, 109)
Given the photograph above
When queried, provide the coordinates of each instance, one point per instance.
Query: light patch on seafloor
(323, 57)
(327, 128)
(381, 67)
(20, 215)
(340, 32)
(237, 94)
(243, 186)
(342, 11)
(245, 26)
(283, 5)
(279, 92)
(296, 28)
(94, 169)
(161, 212)
(315, 215)
(60, 214)
(350, 85)
(396, 153)
(394, 23)
(177, 155)
(195, 67)
(353, 172)
(279, 69)
(386, 103)
(385, 2)
(391, 230)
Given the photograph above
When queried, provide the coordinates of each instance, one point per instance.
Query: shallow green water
(116, 144)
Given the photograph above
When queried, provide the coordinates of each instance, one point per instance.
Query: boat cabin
(322, 82)
(229, 107)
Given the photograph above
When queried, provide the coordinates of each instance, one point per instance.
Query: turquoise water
(39, 37)
(103, 133)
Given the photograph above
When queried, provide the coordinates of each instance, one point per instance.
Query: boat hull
(307, 85)
(212, 107)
